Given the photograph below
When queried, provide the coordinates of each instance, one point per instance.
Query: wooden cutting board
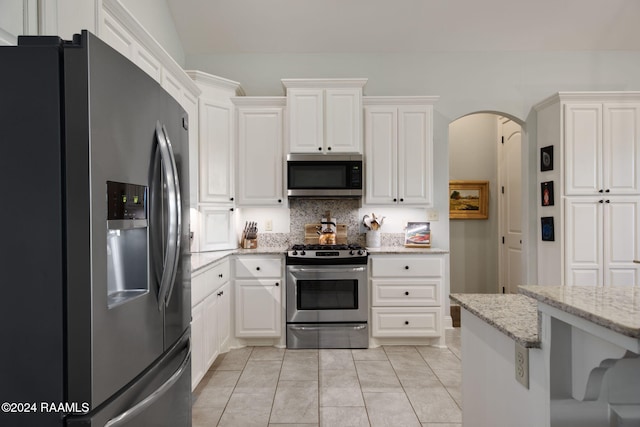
(311, 235)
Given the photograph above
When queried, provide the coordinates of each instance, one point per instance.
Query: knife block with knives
(249, 239)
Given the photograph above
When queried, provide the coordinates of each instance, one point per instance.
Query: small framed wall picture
(546, 158)
(548, 233)
(546, 193)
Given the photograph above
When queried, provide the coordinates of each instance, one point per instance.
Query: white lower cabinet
(258, 296)
(210, 317)
(406, 295)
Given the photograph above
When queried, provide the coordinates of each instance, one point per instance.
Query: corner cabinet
(260, 151)
(407, 296)
(399, 150)
(258, 296)
(596, 170)
(324, 115)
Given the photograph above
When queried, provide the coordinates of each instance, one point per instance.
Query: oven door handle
(319, 328)
(325, 270)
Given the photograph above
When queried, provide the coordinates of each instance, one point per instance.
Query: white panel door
(258, 310)
(260, 159)
(224, 316)
(583, 241)
(621, 241)
(216, 152)
(510, 198)
(583, 149)
(621, 148)
(211, 348)
(415, 155)
(306, 120)
(381, 155)
(343, 120)
(218, 228)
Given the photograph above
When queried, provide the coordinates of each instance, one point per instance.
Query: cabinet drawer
(255, 267)
(416, 293)
(406, 322)
(406, 266)
(208, 281)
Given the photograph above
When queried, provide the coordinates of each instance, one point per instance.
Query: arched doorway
(486, 255)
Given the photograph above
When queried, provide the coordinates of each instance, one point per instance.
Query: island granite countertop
(614, 308)
(514, 315)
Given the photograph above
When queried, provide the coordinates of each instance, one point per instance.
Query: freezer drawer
(160, 397)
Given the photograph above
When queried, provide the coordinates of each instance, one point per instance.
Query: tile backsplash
(311, 211)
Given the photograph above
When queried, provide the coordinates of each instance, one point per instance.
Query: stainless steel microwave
(324, 176)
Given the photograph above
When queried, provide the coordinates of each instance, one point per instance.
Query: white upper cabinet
(216, 139)
(602, 147)
(399, 150)
(260, 151)
(324, 115)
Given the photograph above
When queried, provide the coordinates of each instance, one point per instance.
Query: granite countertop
(514, 315)
(617, 309)
(200, 260)
(403, 250)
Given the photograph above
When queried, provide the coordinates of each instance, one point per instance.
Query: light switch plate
(522, 365)
(432, 215)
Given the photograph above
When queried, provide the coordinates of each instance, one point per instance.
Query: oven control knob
(360, 252)
(303, 252)
(350, 252)
(294, 252)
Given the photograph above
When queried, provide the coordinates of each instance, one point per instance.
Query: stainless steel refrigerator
(94, 241)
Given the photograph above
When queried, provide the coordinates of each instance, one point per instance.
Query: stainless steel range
(327, 298)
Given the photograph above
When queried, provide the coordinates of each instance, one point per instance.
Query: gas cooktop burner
(327, 254)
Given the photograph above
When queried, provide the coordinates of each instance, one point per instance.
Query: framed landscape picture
(468, 199)
(418, 235)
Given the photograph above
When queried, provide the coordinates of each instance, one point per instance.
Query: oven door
(326, 293)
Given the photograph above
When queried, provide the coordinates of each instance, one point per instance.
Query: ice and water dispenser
(127, 242)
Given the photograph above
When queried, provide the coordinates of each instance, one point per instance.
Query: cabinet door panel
(215, 152)
(260, 157)
(197, 344)
(224, 316)
(211, 348)
(257, 308)
(583, 145)
(416, 293)
(306, 120)
(257, 267)
(343, 119)
(116, 36)
(218, 229)
(621, 241)
(415, 154)
(381, 134)
(583, 241)
(621, 148)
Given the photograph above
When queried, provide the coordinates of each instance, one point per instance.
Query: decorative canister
(373, 239)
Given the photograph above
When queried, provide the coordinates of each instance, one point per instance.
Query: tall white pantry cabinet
(596, 173)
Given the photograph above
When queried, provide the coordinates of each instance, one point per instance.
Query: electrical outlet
(268, 225)
(522, 365)
(432, 215)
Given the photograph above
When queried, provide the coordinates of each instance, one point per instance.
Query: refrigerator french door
(95, 262)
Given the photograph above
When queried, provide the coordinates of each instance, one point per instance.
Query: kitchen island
(576, 356)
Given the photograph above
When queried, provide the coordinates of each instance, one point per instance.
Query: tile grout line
(366, 410)
(235, 385)
(402, 385)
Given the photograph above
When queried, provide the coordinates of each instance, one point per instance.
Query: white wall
(473, 155)
(155, 16)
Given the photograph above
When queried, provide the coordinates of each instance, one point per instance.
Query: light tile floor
(387, 386)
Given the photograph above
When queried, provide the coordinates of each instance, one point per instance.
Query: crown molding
(404, 100)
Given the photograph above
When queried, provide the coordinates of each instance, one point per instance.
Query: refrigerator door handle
(174, 227)
(149, 400)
